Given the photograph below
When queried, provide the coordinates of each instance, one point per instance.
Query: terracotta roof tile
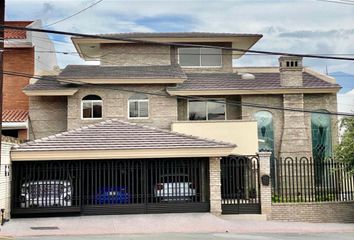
(14, 115)
(16, 34)
(118, 135)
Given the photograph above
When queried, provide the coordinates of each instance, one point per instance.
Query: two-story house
(104, 131)
(26, 53)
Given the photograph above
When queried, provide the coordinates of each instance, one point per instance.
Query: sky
(296, 26)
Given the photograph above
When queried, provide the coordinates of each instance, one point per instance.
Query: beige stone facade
(215, 185)
(162, 109)
(47, 116)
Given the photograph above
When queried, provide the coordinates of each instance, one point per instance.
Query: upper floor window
(91, 107)
(199, 57)
(206, 110)
(138, 106)
(265, 130)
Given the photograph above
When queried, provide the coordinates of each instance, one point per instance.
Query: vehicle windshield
(175, 178)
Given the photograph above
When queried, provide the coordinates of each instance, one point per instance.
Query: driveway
(160, 224)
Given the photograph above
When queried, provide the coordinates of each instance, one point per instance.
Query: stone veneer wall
(134, 54)
(314, 212)
(48, 116)
(162, 110)
(271, 100)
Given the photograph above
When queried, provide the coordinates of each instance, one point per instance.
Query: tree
(345, 150)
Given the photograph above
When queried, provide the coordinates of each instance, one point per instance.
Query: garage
(113, 168)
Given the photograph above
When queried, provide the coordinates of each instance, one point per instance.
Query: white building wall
(5, 179)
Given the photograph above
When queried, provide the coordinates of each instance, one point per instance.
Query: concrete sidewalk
(160, 223)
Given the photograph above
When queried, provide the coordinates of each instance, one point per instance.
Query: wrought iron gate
(240, 186)
(110, 186)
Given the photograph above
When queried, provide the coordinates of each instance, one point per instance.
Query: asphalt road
(205, 236)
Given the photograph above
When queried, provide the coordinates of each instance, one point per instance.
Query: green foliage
(345, 150)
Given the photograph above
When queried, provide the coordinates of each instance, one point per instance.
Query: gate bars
(111, 186)
(240, 186)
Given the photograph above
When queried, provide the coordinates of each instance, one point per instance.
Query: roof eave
(45, 155)
(213, 92)
(46, 92)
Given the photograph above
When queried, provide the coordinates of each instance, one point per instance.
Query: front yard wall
(314, 212)
(162, 109)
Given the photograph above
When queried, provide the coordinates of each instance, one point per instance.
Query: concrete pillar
(215, 185)
(266, 191)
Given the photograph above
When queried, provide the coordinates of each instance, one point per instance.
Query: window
(91, 106)
(265, 131)
(199, 57)
(206, 110)
(138, 106)
(321, 143)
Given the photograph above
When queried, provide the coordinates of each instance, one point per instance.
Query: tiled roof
(48, 83)
(178, 35)
(14, 115)
(16, 34)
(221, 81)
(118, 135)
(115, 72)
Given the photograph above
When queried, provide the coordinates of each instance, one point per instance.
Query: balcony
(240, 132)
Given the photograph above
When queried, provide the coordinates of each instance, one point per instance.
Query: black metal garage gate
(240, 186)
(110, 186)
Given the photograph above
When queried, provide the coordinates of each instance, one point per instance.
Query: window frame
(206, 108)
(200, 60)
(91, 101)
(138, 100)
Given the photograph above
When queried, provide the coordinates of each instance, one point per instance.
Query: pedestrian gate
(240, 186)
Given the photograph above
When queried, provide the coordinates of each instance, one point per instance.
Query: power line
(175, 44)
(233, 103)
(61, 20)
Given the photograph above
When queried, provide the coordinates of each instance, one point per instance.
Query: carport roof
(118, 139)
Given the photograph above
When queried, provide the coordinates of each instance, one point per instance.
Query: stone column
(266, 191)
(215, 185)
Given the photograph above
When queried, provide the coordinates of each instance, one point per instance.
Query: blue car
(112, 195)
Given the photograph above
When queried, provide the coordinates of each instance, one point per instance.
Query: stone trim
(266, 191)
(215, 185)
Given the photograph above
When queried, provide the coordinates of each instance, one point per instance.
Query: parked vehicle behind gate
(112, 195)
(174, 188)
(46, 193)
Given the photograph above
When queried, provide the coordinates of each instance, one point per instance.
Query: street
(206, 236)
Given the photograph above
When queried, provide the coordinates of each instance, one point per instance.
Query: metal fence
(305, 180)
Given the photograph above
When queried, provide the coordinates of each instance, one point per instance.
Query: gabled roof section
(99, 74)
(49, 86)
(123, 140)
(90, 46)
(233, 83)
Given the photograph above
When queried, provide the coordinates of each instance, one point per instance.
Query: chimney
(290, 68)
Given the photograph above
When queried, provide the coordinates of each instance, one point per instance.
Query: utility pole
(2, 40)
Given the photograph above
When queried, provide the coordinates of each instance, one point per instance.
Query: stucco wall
(5, 178)
(162, 110)
(48, 116)
(135, 54)
(314, 212)
(241, 133)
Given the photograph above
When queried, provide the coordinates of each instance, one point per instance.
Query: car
(46, 193)
(174, 187)
(112, 195)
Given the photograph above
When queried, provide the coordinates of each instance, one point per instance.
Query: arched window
(91, 107)
(321, 136)
(265, 131)
(138, 106)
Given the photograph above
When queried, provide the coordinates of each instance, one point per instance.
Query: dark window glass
(216, 111)
(133, 109)
(197, 110)
(91, 107)
(210, 57)
(189, 57)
